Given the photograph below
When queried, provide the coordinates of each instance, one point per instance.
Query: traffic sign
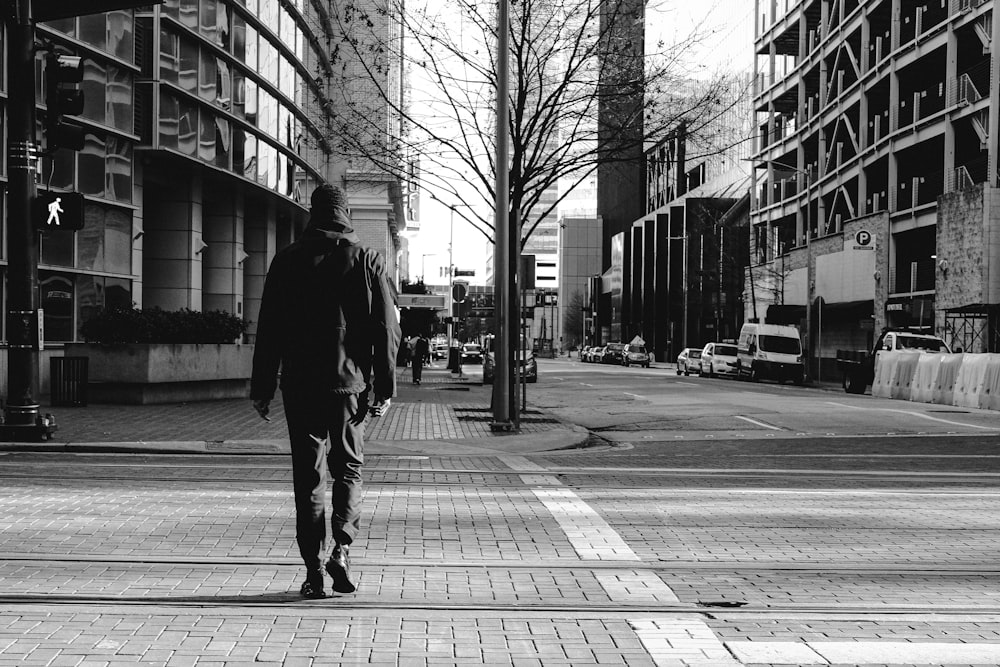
(863, 240)
(458, 292)
(464, 272)
(58, 210)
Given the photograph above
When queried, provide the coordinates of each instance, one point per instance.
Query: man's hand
(262, 407)
(379, 408)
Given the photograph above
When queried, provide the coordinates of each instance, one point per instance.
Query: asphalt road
(633, 405)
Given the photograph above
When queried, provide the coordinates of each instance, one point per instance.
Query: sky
(728, 44)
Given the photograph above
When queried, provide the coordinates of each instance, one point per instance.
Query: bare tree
(558, 50)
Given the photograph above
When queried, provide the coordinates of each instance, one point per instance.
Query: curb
(573, 438)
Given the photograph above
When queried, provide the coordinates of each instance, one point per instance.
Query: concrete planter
(163, 373)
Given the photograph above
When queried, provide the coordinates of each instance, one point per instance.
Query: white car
(718, 359)
(689, 360)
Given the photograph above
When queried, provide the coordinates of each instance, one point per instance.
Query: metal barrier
(69, 377)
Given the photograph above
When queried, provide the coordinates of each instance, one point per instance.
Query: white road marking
(590, 535)
(775, 653)
(631, 586)
(690, 384)
(521, 464)
(628, 393)
(920, 653)
(761, 424)
(771, 471)
(684, 640)
(913, 413)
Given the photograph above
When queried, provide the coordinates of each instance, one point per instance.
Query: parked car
(770, 351)
(472, 353)
(613, 353)
(596, 354)
(528, 365)
(584, 353)
(439, 350)
(718, 359)
(689, 361)
(635, 355)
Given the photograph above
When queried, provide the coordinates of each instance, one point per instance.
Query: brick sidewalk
(491, 560)
(444, 407)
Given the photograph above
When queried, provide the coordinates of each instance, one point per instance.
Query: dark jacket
(328, 317)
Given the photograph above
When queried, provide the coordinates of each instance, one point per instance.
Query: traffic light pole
(506, 327)
(21, 417)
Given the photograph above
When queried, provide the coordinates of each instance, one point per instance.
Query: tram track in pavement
(979, 482)
(140, 578)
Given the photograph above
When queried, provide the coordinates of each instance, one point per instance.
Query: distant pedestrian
(421, 355)
(328, 318)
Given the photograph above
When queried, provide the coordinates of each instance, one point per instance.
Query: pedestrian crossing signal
(58, 210)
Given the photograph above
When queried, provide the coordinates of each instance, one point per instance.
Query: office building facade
(206, 134)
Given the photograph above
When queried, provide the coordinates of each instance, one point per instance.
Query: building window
(170, 111)
(222, 143)
(223, 84)
(170, 56)
(239, 37)
(208, 76)
(121, 35)
(120, 99)
(119, 170)
(91, 177)
(187, 129)
(209, 15)
(188, 14)
(105, 242)
(206, 138)
(94, 30)
(56, 299)
(267, 157)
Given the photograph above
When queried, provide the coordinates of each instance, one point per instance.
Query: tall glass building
(207, 131)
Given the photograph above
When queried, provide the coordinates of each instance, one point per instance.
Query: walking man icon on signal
(54, 210)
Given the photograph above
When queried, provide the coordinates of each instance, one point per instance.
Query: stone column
(221, 268)
(260, 245)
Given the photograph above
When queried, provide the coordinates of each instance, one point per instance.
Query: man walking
(328, 318)
(421, 354)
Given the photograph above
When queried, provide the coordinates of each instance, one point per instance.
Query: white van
(771, 351)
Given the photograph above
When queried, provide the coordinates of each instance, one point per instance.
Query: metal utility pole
(503, 390)
(21, 418)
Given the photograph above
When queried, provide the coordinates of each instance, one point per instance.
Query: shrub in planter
(116, 326)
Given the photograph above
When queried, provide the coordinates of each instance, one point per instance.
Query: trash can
(68, 380)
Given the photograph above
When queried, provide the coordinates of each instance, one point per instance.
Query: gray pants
(323, 438)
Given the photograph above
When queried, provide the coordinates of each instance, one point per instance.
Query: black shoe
(312, 588)
(339, 567)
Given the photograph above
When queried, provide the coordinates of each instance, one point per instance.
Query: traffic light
(62, 98)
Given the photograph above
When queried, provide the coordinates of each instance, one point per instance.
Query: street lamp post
(451, 276)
